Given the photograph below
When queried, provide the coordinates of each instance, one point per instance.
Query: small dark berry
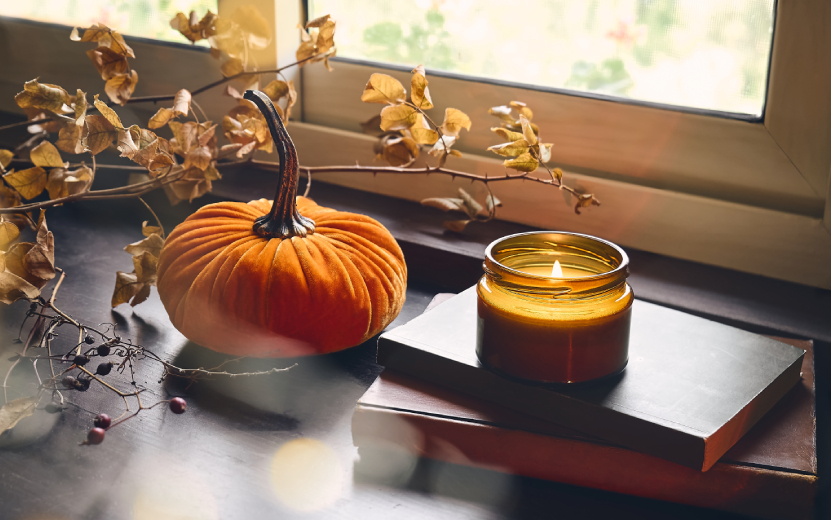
(96, 436)
(81, 384)
(33, 307)
(103, 350)
(68, 381)
(89, 340)
(102, 420)
(80, 360)
(104, 368)
(178, 405)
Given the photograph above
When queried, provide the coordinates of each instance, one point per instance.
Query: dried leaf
(74, 35)
(194, 31)
(107, 37)
(126, 288)
(306, 50)
(510, 149)
(455, 153)
(420, 94)
(276, 90)
(472, 208)
(13, 288)
(145, 155)
(121, 87)
(212, 174)
(231, 91)
(80, 106)
(145, 267)
(108, 113)
(422, 133)
(42, 95)
(524, 163)
(227, 148)
(8, 234)
(400, 151)
(245, 149)
(63, 183)
(194, 184)
(148, 230)
(29, 183)
(206, 133)
(456, 225)
(325, 40)
(200, 157)
(503, 112)
(545, 152)
(71, 139)
(34, 262)
(523, 109)
(232, 67)
(585, 200)
(160, 118)
(445, 204)
(557, 174)
(9, 198)
(397, 117)
(292, 99)
(152, 244)
(454, 121)
(5, 159)
(184, 136)
(100, 133)
(492, 202)
(108, 63)
(181, 103)
(125, 144)
(442, 145)
(14, 411)
(45, 154)
(527, 131)
(382, 88)
(507, 135)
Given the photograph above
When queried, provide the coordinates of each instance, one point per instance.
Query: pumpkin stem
(283, 221)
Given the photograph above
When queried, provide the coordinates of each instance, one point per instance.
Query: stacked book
(704, 414)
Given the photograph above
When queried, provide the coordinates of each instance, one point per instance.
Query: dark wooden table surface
(220, 459)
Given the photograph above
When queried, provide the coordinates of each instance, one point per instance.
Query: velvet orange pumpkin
(279, 279)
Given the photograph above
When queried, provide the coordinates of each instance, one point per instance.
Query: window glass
(708, 54)
(146, 18)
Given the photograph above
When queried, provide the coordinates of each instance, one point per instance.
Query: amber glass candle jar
(554, 307)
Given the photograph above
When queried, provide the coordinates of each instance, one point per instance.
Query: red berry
(102, 420)
(178, 405)
(96, 436)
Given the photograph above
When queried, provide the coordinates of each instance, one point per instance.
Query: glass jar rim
(573, 287)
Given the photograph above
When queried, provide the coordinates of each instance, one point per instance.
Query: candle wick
(556, 270)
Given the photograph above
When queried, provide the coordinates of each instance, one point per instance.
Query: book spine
(765, 493)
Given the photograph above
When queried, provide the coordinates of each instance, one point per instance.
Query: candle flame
(556, 270)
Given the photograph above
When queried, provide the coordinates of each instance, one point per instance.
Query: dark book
(692, 388)
(771, 472)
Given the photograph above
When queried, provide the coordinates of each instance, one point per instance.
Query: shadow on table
(314, 390)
